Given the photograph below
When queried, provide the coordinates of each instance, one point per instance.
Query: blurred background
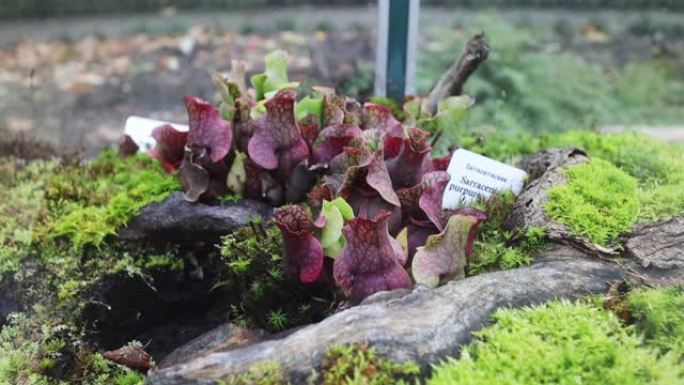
(71, 71)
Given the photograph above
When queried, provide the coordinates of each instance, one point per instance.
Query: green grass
(598, 202)
(559, 343)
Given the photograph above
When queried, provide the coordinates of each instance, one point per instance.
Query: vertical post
(395, 60)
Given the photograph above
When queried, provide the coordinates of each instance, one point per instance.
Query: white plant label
(140, 130)
(474, 175)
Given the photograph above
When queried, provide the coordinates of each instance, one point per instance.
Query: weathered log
(537, 164)
(451, 83)
(180, 221)
(659, 245)
(424, 325)
(223, 338)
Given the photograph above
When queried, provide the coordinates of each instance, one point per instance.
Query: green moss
(31, 345)
(360, 365)
(91, 202)
(96, 370)
(558, 343)
(659, 317)
(598, 202)
(58, 215)
(277, 319)
(497, 249)
(22, 208)
(657, 166)
(265, 373)
(48, 203)
(83, 204)
(641, 156)
(129, 378)
(660, 202)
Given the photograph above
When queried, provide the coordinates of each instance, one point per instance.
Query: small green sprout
(277, 319)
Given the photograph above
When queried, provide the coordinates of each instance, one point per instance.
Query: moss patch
(598, 202)
(58, 214)
(558, 343)
(659, 317)
(497, 249)
(33, 349)
(360, 365)
(266, 373)
(48, 201)
(657, 166)
(90, 203)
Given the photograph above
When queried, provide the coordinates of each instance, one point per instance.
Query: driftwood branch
(423, 325)
(451, 83)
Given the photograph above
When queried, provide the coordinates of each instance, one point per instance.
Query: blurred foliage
(43, 8)
(528, 87)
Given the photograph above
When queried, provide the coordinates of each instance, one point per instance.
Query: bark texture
(659, 245)
(223, 338)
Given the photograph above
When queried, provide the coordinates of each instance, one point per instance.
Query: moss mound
(558, 343)
(496, 249)
(58, 214)
(657, 166)
(598, 202)
(659, 317)
(90, 203)
(50, 201)
(359, 364)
